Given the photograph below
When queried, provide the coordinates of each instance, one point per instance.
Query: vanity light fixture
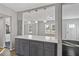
(71, 25)
(36, 21)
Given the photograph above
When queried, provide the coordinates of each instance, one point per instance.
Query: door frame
(10, 32)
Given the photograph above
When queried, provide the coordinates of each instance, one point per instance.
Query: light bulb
(36, 21)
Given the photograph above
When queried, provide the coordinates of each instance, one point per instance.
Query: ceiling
(24, 6)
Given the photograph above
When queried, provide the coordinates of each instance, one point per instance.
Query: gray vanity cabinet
(50, 49)
(36, 48)
(25, 47)
(17, 46)
(22, 47)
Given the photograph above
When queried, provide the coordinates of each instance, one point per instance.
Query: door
(2, 32)
(8, 32)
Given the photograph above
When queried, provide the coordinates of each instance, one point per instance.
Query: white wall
(6, 11)
(2, 32)
(70, 11)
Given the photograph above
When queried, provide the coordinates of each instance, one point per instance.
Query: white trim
(4, 32)
(3, 40)
(10, 32)
(58, 17)
(22, 25)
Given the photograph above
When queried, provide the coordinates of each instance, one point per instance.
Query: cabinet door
(50, 49)
(21, 47)
(17, 46)
(36, 48)
(24, 47)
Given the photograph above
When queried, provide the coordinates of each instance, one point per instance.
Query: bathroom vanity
(35, 46)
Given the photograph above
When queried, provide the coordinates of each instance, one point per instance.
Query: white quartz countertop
(39, 38)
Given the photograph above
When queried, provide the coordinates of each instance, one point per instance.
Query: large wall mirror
(40, 22)
(70, 29)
